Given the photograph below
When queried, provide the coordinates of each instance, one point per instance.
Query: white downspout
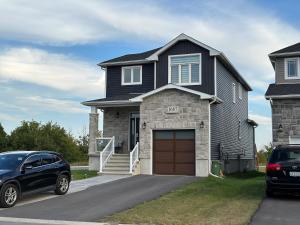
(209, 144)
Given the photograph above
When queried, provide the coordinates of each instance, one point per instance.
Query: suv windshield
(285, 155)
(10, 161)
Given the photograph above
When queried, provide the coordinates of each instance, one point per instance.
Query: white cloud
(244, 32)
(261, 120)
(7, 117)
(52, 70)
(52, 104)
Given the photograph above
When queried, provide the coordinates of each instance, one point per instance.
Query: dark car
(25, 172)
(283, 170)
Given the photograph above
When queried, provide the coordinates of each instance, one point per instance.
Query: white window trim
(131, 78)
(240, 91)
(190, 75)
(233, 93)
(286, 68)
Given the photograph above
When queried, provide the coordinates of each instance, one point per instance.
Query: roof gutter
(132, 62)
(268, 97)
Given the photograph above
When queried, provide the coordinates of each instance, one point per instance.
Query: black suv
(283, 170)
(24, 172)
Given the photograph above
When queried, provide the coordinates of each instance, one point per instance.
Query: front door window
(134, 129)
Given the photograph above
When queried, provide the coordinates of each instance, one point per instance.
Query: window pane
(136, 74)
(184, 73)
(185, 59)
(195, 76)
(183, 134)
(47, 159)
(33, 161)
(127, 75)
(292, 68)
(163, 134)
(175, 74)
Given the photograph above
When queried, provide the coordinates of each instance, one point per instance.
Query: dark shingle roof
(283, 89)
(114, 98)
(132, 57)
(289, 49)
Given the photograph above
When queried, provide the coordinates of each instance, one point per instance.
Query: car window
(33, 161)
(285, 155)
(47, 159)
(10, 161)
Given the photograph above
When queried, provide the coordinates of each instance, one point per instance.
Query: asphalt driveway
(281, 210)
(99, 201)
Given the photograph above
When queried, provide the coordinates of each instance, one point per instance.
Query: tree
(264, 154)
(32, 135)
(3, 139)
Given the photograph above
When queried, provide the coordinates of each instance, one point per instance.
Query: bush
(32, 135)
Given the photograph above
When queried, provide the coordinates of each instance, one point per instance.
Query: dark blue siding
(187, 47)
(225, 119)
(114, 86)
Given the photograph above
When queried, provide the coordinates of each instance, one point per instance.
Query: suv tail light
(273, 167)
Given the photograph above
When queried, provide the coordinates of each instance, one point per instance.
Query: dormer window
(185, 69)
(292, 68)
(131, 75)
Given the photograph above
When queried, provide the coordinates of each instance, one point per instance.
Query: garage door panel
(174, 152)
(185, 169)
(164, 157)
(164, 145)
(184, 157)
(164, 168)
(185, 146)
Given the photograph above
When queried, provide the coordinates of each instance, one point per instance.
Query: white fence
(106, 146)
(134, 157)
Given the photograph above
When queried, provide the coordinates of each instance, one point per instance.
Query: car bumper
(283, 186)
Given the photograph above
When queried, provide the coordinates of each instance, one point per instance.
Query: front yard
(232, 200)
(82, 174)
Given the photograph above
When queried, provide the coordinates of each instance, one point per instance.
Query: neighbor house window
(240, 91)
(131, 75)
(292, 68)
(233, 92)
(239, 130)
(185, 69)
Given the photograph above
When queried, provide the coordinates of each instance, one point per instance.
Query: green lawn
(82, 174)
(232, 200)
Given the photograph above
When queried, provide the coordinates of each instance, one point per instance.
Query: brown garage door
(174, 152)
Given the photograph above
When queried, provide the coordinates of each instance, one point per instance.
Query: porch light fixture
(280, 128)
(117, 114)
(201, 125)
(144, 125)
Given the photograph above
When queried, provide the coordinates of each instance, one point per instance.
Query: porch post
(93, 130)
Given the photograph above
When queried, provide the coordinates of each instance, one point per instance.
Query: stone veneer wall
(192, 111)
(118, 126)
(287, 113)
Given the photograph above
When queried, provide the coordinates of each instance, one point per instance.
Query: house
(284, 95)
(172, 110)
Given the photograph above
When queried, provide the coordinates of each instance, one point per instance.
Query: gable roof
(152, 55)
(130, 57)
(173, 86)
(283, 91)
(290, 49)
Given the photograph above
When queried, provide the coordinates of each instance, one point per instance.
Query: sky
(49, 49)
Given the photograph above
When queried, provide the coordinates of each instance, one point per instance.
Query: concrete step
(120, 164)
(121, 155)
(116, 173)
(108, 168)
(113, 160)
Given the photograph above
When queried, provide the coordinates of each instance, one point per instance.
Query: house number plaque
(173, 109)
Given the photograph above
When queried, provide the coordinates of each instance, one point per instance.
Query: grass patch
(232, 200)
(82, 174)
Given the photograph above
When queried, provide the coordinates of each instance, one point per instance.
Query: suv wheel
(9, 196)
(62, 185)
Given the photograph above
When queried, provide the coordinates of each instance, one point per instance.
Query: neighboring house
(184, 103)
(284, 95)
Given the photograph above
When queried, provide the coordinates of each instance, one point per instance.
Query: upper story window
(185, 69)
(233, 92)
(131, 75)
(240, 91)
(292, 70)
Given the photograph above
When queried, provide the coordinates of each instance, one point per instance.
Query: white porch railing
(134, 157)
(105, 152)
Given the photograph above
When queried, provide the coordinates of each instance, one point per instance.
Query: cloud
(243, 31)
(8, 117)
(51, 104)
(53, 70)
(261, 120)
